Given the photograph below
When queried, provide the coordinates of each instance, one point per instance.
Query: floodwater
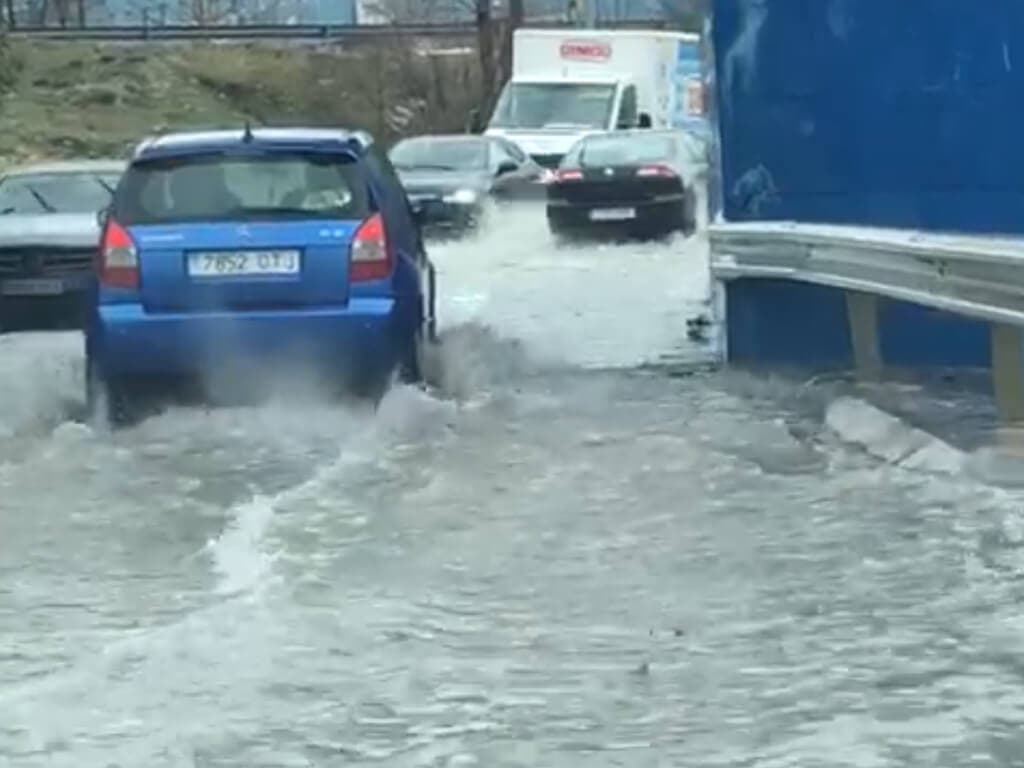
(578, 549)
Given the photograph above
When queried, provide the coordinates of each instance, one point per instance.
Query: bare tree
(205, 13)
(423, 11)
(516, 18)
(57, 10)
(8, 65)
(686, 14)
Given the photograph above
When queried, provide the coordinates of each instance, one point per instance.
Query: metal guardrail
(332, 32)
(973, 276)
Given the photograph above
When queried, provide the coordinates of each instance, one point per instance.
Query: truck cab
(567, 85)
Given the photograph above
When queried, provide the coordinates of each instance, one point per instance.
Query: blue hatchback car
(254, 255)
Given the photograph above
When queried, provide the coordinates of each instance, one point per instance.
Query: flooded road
(580, 551)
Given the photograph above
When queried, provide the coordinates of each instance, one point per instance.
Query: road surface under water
(570, 554)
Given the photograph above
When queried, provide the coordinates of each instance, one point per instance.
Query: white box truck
(566, 84)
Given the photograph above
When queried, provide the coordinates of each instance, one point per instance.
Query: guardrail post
(862, 315)
(1008, 371)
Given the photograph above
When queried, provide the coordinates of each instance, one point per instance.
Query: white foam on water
(891, 439)
(224, 645)
(41, 374)
(591, 305)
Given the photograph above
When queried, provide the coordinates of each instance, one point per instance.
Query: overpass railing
(332, 32)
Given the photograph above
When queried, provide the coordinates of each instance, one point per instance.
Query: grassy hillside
(88, 100)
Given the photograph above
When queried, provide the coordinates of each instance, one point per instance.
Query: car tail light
(568, 175)
(656, 171)
(119, 259)
(370, 257)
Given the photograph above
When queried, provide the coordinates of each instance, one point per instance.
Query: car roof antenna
(247, 136)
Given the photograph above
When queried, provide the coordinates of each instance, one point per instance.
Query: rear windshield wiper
(104, 184)
(41, 200)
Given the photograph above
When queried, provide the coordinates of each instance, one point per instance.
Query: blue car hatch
(242, 265)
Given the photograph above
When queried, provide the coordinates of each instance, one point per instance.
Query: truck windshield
(537, 106)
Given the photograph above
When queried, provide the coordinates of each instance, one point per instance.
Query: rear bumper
(368, 335)
(649, 216)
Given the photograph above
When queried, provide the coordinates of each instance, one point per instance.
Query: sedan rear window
(440, 154)
(270, 186)
(632, 150)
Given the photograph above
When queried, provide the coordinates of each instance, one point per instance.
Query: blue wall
(887, 112)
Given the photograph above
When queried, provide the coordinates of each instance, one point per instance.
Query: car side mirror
(644, 120)
(102, 216)
(473, 121)
(506, 168)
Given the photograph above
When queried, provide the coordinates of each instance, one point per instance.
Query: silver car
(49, 233)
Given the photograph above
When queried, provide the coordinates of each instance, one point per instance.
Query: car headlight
(462, 197)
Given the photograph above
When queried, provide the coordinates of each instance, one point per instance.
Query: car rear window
(632, 150)
(268, 186)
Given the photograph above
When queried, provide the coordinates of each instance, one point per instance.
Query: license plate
(613, 214)
(243, 263)
(33, 287)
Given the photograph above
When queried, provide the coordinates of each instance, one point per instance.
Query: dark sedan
(49, 235)
(638, 183)
(450, 179)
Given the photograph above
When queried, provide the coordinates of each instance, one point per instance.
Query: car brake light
(119, 259)
(370, 257)
(566, 175)
(661, 171)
